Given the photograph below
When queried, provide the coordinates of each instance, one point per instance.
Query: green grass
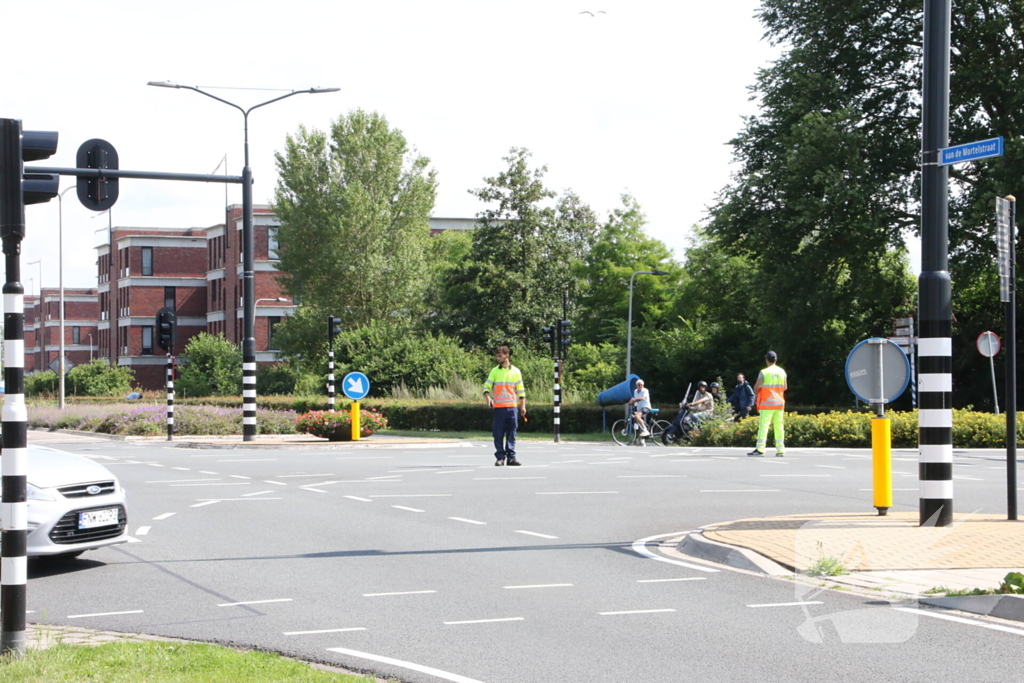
(958, 593)
(159, 662)
(486, 436)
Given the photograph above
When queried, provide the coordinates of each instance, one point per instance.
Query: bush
(337, 426)
(41, 384)
(99, 378)
(213, 365)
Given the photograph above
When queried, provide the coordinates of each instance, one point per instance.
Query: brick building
(42, 328)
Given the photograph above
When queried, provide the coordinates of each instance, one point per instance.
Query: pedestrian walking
(503, 389)
(742, 397)
(770, 389)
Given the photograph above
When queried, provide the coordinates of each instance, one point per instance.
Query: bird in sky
(593, 14)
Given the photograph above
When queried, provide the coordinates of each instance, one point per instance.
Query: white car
(74, 505)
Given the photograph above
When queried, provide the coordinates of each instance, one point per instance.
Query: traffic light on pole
(38, 188)
(564, 337)
(166, 328)
(333, 330)
(98, 194)
(549, 338)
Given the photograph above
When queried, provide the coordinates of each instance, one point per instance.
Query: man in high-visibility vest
(770, 389)
(503, 389)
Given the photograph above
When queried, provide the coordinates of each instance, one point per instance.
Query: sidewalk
(891, 554)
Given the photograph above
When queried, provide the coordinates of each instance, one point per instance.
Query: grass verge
(160, 662)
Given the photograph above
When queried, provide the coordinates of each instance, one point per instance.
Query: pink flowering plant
(337, 426)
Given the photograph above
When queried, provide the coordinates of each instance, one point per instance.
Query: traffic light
(549, 338)
(38, 188)
(333, 330)
(166, 328)
(564, 338)
(97, 194)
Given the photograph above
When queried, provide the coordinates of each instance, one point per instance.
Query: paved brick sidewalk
(866, 542)
(41, 636)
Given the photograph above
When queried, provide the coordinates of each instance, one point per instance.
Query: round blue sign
(356, 385)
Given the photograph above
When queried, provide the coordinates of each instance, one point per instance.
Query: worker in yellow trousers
(770, 389)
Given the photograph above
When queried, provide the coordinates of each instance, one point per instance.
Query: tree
(520, 269)
(213, 365)
(354, 208)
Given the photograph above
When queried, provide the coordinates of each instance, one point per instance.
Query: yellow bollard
(881, 461)
(355, 420)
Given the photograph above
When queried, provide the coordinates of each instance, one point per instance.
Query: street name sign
(356, 385)
(1004, 246)
(971, 151)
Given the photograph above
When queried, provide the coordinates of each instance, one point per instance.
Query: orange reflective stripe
(772, 395)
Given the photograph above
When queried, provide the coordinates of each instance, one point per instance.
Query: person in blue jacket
(742, 397)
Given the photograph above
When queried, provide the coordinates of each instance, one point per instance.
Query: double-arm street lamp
(629, 325)
(60, 275)
(248, 282)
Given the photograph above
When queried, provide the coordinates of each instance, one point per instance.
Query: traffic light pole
(170, 396)
(248, 307)
(558, 398)
(14, 463)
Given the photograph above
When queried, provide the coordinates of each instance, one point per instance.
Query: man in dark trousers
(503, 389)
(742, 397)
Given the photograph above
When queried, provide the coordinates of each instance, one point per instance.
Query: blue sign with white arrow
(971, 151)
(356, 385)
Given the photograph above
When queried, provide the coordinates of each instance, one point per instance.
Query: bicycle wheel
(658, 428)
(622, 432)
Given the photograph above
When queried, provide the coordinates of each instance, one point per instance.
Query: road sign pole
(1011, 367)
(995, 392)
(355, 420)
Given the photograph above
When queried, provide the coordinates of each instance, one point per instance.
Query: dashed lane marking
(361, 500)
(164, 516)
(504, 478)
(428, 670)
(177, 481)
(454, 471)
(205, 502)
(325, 630)
(739, 490)
(410, 495)
(300, 476)
(239, 476)
(636, 611)
(223, 483)
(310, 488)
(104, 614)
(688, 578)
(253, 602)
(402, 507)
(255, 493)
(275, 483)
(467, 521)
(183, 469)
(573, 493)
(142, 530)
(207, 472)
(483, 621)
(831, 467)
(788, 604)
(540, 585)
(534, 533)
(652, 476)
(251, 460)
(380, 595)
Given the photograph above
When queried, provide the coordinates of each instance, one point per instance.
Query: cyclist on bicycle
(641, 403)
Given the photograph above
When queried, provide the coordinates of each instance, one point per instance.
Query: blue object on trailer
(619, 394)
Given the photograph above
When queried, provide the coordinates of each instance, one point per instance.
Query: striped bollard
(330, 381)
(14, 463)
(558, 399)
(169, 381)
(248, 401)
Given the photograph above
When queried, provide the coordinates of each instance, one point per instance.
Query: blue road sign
(971, 151)
(356, 385)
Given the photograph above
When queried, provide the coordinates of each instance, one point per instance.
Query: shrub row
(132, 420)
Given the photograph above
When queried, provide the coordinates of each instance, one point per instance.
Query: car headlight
(36, 493)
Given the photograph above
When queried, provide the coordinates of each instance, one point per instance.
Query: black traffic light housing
(333, 330)
(38, 188)
(166, 328)
(564, 337)
(97, 194)
(549, 339)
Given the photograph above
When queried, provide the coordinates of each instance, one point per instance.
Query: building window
(272, 245)
(76, 335)
(272, 322)
(169, 297)
(147, 340)
(147, 260)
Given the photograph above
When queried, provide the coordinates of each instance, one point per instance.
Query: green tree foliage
(213, 366)
(520, 268)
(99, 378)
(354, 207)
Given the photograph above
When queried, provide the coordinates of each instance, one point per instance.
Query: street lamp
(60, 271)
(248, 249)
(90, 346)
(629, 325)
(40, 318)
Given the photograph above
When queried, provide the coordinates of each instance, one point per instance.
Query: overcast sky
(641, 99)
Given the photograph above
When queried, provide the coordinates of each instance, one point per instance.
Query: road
(428, 563)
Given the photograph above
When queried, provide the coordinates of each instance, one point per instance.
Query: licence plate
(94, 518)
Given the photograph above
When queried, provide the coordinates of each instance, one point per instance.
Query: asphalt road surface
(427, 563)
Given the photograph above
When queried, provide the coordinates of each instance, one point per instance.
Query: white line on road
(300, 476)
(389, 476)
(183, 469)
(467, 521)
(223, 483)
(362, 500)
(402, 507)
(892, 489)
(960, 476)
(722, 457)
(572, 493)
(534, 533)
(640, 548)
(504, 478)
(103, 614)
(205, 502)
(788, 604)
(255, 493)
(154, 464)
(326, 630)
(368, 457)
(239, 476)
(219, 500)
(795, 475)
(689, 578)
(429, 670)
(652, 476)
(251, 460)
(540, 585)
(636, 611)
(178, 481)
(310, 488)
(453, 471)
(377, 595)
(739, 490)
(253, 602)
(831, 467)
(695, 460)
(960, 620)
(164, 516)
(207, 472)
(483, 621)
(142, 530)
(565, 462)
(275, 483)
(411, 495)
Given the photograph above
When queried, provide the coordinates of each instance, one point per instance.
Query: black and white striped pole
(170, 397)
(14, 463)
(166, 333)
(935, 344)
(558, 399)
(333, 328)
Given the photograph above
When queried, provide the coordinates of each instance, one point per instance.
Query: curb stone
(696, 545)
(1001, 606)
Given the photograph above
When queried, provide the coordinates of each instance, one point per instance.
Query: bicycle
(625, 433)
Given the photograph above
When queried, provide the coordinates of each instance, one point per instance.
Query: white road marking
(132, 539)
(377, 595)
(142, 530)
(482, 621)
(103, 614)
(299, 476)
(326, 630)
(255, 493)
(637, 611)
(402, 507)
(429, 670)
(164, 516)
(206, 472)
(540, 585)
(310, 488)
(960, 620)
(534, 533)
(389, 476)
(565, 462)
(788, 604)
(504, 478)
(695, 460)
(219, 500)
(368, 457)
(572, 493)
(411, 495)
(177, 481)
(253, 602)
(960, 476)
(794, 475)
(739, 490)
(467, 521)
(362, 500)
(251, 460)
(183, 469)
(239, 476)
(831, 467)
(722, 457)
(640, 548)
(223, 483)
(275, 483)
(893, 489)
(453, 471)
(154, 464)
(689, 578)
(206, 502)
(652, 476)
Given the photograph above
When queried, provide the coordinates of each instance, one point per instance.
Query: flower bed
(130, 420)
(337, 426)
